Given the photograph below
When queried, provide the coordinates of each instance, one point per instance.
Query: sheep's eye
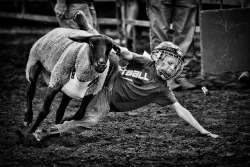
(91, 45)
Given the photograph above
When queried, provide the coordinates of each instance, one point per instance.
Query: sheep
(66, 56)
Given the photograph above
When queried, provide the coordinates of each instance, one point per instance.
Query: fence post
(23, 10)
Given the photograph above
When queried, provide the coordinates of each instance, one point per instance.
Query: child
(142, 81)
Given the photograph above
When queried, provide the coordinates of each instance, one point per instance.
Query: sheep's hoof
(26, 124)
(26, 138)
(28, 118)
(20, 134)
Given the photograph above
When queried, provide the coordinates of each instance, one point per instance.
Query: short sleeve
(165, 97)
(140, 60)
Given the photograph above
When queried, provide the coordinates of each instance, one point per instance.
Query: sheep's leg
(81, 111)
(31, 89)
(62, 107)
(50, 94)
(114, 60)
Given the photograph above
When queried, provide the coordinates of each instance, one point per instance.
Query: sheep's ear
(80, 38)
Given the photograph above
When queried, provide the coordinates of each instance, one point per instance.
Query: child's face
(167, 67)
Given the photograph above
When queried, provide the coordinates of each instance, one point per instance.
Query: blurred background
(38, 17)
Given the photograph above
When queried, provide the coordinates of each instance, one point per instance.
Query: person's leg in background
(132, 10)
(87, 8)
(160, 14)
(93, 14)
(73, 9)
(184, 23)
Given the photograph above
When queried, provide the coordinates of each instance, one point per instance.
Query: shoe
(173, 85)
(39, 135)
(185, 84)
(244, 77)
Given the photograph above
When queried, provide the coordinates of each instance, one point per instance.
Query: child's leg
(96, 110)
(83, 23)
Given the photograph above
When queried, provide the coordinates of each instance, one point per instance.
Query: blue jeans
(87, 8)
(182, 13)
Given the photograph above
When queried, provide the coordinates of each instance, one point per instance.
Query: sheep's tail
(31, 62)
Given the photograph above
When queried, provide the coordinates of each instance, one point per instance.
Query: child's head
(168, 60)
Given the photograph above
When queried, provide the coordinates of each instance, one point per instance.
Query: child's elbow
(181, 114)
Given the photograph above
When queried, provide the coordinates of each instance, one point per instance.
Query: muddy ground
(149, 136)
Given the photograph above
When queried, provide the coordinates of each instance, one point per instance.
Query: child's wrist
(126, 54)
(205, 132)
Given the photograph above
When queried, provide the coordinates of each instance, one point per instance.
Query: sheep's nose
(102, 64)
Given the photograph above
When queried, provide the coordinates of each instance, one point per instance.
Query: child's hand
(213, 135)
(125, 53)
(209, 134)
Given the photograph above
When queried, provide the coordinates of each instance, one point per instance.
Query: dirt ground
(149, 136)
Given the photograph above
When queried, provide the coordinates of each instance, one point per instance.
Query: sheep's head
(100, 46)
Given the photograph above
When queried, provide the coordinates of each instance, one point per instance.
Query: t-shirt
(138, 85)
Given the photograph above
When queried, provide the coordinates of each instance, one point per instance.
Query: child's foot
(82, 21)
(42, 134)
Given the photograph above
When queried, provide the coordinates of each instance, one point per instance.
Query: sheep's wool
(59, 55)
(74, 88)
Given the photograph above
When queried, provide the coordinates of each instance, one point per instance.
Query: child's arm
(83, 23)
(188, 117)
(131, 56)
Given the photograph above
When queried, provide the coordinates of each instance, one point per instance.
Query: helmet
(164, 50)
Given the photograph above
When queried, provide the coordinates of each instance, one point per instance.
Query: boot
(185, 84)
(244, 77)
(173, 85)
(42, 134)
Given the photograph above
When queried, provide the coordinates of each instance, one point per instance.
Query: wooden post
(221, 4)
(123, 19)
(23, 5)
(202, 72)
(119, 17)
